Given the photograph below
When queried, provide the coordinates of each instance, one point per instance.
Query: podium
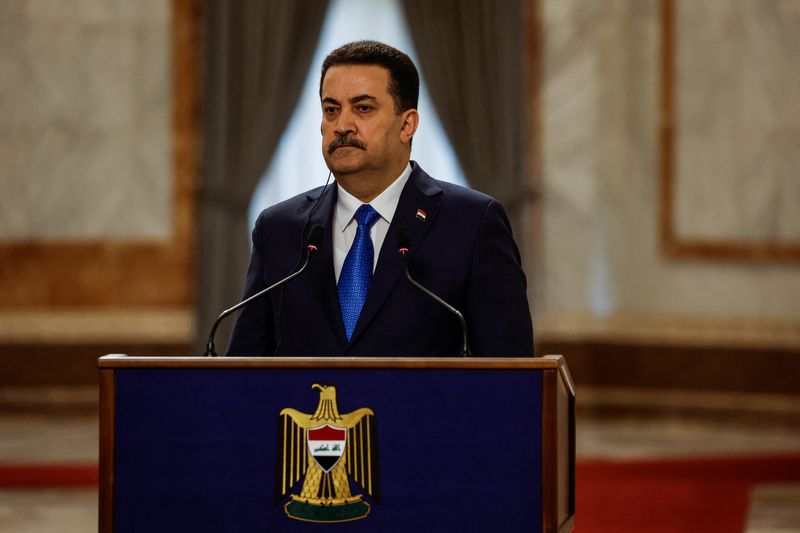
(353, 444)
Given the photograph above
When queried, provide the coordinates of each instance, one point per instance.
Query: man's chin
(344, 166)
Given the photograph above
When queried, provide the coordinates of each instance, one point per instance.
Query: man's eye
(364, 108)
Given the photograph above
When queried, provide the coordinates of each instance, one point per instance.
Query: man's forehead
(348, 81)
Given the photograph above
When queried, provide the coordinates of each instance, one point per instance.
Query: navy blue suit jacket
(463, 251)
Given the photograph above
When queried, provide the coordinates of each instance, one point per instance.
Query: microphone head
(315, 236)
(403, 240)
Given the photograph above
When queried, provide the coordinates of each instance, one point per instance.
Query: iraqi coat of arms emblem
(326, 449)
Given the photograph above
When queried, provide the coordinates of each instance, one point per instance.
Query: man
(353, 299)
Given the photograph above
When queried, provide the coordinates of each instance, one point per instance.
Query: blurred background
(648, 153)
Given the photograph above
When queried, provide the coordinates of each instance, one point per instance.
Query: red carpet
(13, 476)
(674, 495)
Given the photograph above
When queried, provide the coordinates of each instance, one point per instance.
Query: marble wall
(600, 170)
(85, 101)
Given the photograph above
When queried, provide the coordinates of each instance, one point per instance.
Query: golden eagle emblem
(327, 448)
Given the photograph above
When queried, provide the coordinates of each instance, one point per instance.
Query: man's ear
(409, 127)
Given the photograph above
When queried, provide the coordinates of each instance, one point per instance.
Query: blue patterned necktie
(356, 272)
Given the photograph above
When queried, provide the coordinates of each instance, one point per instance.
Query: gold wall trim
(93, 327)
(670, 330)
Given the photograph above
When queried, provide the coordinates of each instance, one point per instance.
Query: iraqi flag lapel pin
(421, 215)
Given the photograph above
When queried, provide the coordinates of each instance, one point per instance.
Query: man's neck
(367, 185)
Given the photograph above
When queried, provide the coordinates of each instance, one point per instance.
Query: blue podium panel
(457, 450)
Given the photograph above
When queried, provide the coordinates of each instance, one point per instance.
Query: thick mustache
(340, 142)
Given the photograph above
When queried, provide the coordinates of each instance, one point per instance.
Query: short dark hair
(403, 75)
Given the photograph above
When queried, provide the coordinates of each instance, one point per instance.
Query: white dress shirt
(344, 226)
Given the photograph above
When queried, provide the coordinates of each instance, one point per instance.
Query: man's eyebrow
(361, 98)
(353, 100)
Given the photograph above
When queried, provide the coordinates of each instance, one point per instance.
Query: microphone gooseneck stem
(465, 351)
(210, 351)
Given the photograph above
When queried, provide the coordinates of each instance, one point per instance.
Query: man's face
(360, 130)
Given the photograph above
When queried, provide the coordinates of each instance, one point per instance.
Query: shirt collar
(385, 203)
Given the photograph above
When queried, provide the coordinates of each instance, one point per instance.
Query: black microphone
(403, 245)
(312, 245)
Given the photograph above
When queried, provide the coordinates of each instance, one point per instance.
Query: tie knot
(366, 215)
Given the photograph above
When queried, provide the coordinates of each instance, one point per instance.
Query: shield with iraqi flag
(326, 445)
(327, 449)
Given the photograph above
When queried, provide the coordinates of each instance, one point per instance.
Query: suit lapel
(321, 273)
(419, 194)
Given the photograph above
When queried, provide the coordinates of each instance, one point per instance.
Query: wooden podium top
(125, 361)
(547, 362)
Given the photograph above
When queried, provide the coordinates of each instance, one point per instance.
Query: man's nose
(344, 124)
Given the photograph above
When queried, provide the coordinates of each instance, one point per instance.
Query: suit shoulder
(472, 208)
(449, 193)
(464, 197)
(289, 210)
